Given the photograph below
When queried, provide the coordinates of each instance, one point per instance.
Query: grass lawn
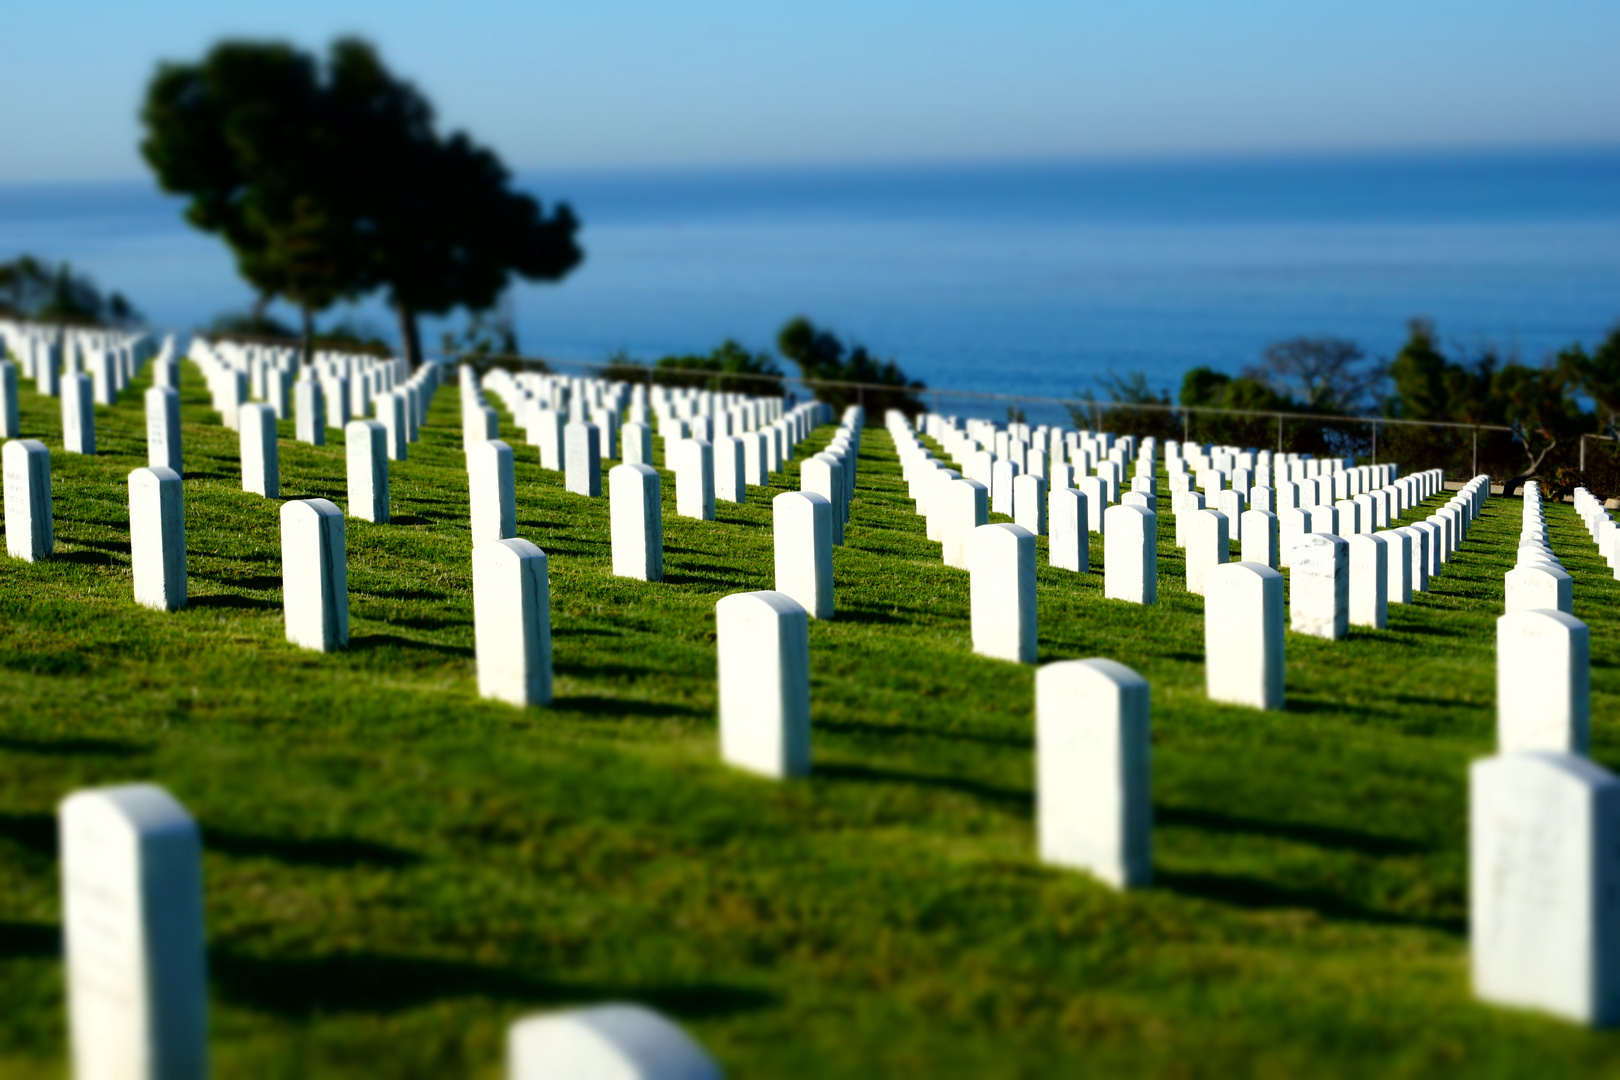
(396, 870)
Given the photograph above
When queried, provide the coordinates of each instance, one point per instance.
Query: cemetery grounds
(395, 870)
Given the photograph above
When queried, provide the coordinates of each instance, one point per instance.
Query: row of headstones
(1544, 820)
(705, 470)
(399, 399)
(136, 963)
(1538, 579)
(1603, 529)
(1092, 462)
(1228, 459)
(109, 358)
(1379, 568)
(1000, 558)
(1333, 478)
(1545, 832)
(348, 383)
(80, 393)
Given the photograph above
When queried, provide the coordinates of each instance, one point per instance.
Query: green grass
(395, 870)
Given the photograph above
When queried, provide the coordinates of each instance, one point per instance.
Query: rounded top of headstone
(309, 509)
(606, 1042)
(1539, 619)
(1089, 675)
(764, 600)
(145, 809)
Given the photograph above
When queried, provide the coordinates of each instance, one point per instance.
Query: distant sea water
(1022, 278)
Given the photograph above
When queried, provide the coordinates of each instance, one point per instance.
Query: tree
(820, 355)
(329, 183)
(1317, 374)
(248, 135)
(444, 228)
(1597, 375)
(735, 371)
(33, 288)
(1130, 392)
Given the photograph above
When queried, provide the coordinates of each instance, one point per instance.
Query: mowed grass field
(396, 870)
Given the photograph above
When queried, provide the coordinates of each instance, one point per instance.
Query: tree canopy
(33, 288)
(330, 182)
(822, 355)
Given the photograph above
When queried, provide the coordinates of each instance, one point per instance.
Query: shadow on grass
(92, 558)
(1239, 890)
(231, 600)
(367, 642)
(338, 852)
(36, 832)
(256, 583)
(365, 982)
(1017, 801)
(867, 727)
(1321, 835)
(610, 706)
(30, 941)
(73, 747)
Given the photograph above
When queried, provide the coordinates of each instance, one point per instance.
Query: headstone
(163, 428)
(314, 574)
(30, 533)
(1096, 493)
(275, 391)
(1259, 538)
(1527, 588)
(638, 447)
(730, 477)
(693, 463)
(967, 506)
(78, 415)
(1420, 557)
(636, 520)
(1263, 498)
(546, 432)
(802, 528)
(1029, 503)
(1002, 563)
(1004, 472)
(1208, 545)
(391, 410)
(366, 455)
(1131, 555)
(310, 406)
(157, 538)
(763, 641)
(1543, 682)
(1243, 635)
(582, 473)
(10, 421)
(1399, 559)
(261, 463)
(1319, 601)
(822, 475)
(512, 621)
(605, 1042)
(132, 921)
(1369, 581)
(1544, 885)
(492, 491)
(1094, 808)
(1069, 545)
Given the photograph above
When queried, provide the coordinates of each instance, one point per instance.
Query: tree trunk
(410, 338)
(1511, 484)
(309, 334)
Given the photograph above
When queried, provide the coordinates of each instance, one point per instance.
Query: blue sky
(616, 83)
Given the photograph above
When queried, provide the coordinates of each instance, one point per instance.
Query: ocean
(1027, 278)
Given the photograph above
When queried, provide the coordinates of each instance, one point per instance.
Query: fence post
(1474, 466)
(1186, 426)
(1375, 442)
(1279, 436)
(1583, 455)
